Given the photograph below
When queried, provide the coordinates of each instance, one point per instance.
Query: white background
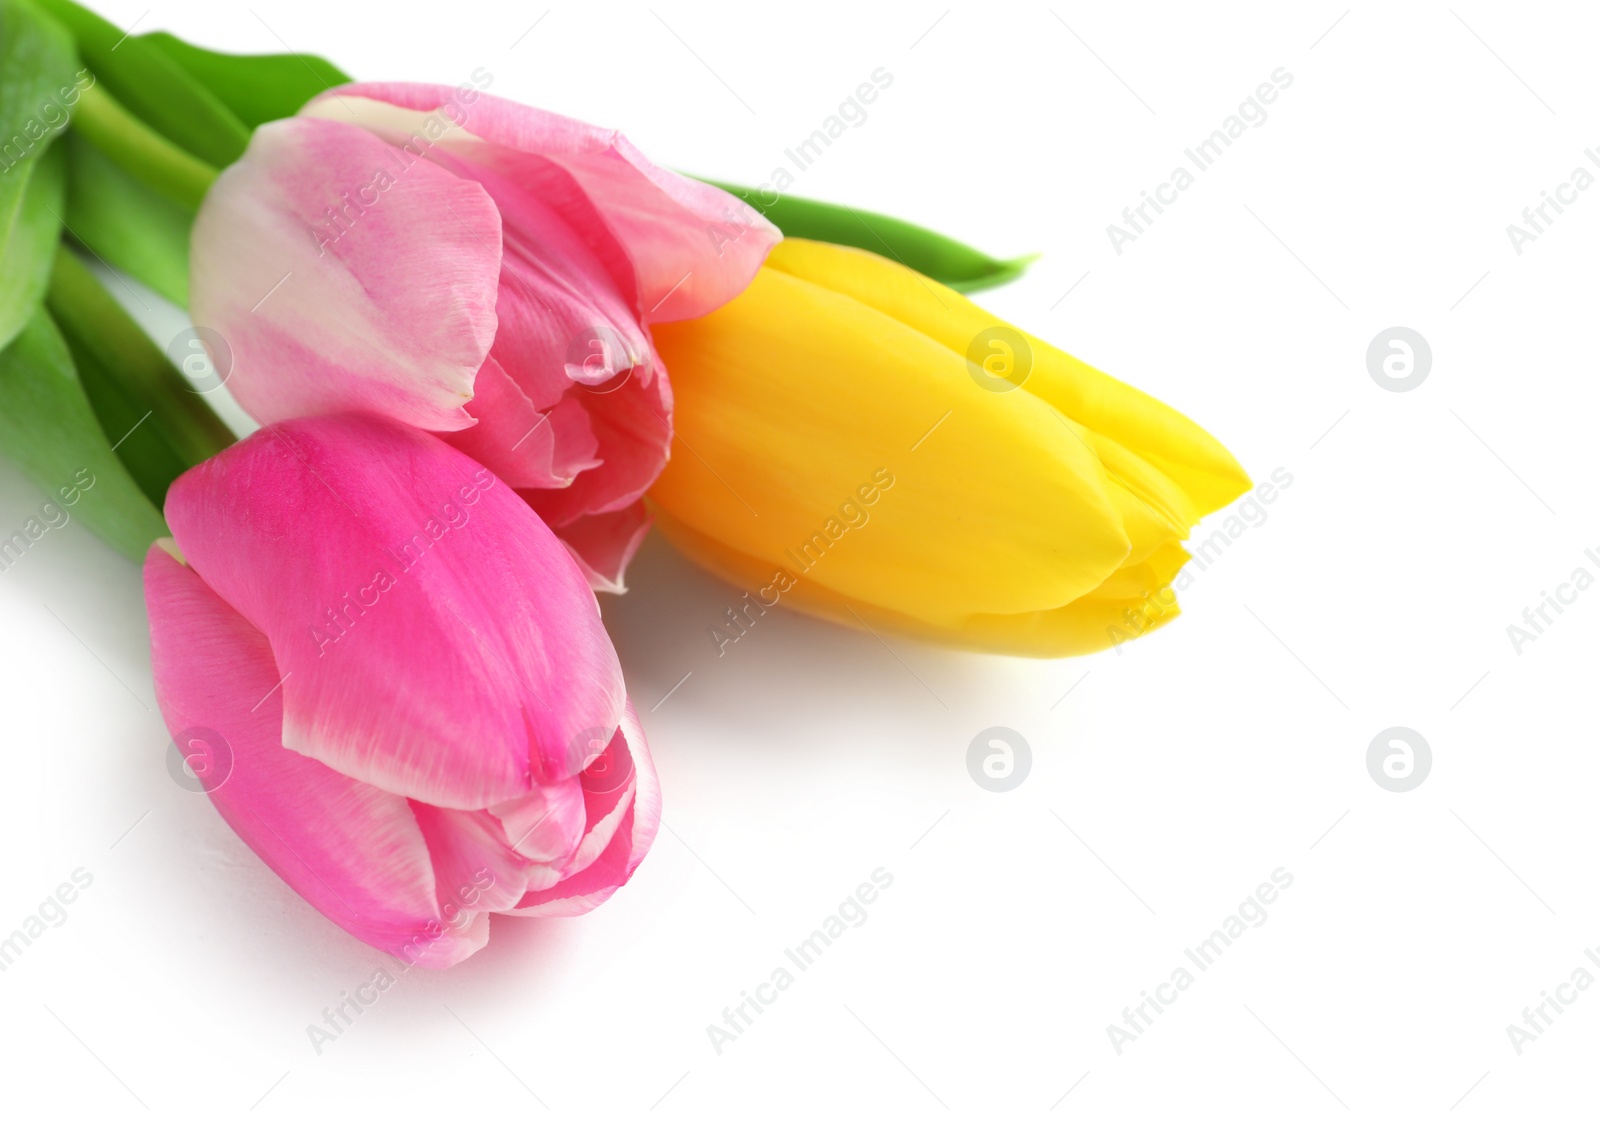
(1173, 779)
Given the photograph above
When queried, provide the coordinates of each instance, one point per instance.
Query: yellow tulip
(862, 443)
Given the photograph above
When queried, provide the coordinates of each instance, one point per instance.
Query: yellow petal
(817, 433)
(1164, 437)
(1130, 603)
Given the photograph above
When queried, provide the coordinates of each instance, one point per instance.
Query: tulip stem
(91, 318)
(150, 157)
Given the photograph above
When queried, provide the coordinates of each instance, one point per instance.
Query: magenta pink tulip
(393, 681)
(475, 268)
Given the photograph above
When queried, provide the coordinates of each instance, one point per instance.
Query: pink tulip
(395, 686)
(475, 268)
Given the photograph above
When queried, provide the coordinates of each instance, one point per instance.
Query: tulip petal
(571, 342)
(534, 844)
(632, 426)
(609, 784)
(564, 317)
(635, 829)
(1167, 503)
(603, 544)
(494, 857)
(346, 275)
(874, 463)
(352, 851)
(1155, 510)
(1155, 431)
(693, 246)
(474, 868)
(546, 825)
(1133, 601)
(1094, 621)
(568, 312)
(436, 640)
(523, 445)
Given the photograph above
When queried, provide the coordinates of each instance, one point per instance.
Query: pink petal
(609, 784)
(472, 858)
(563, 317)
(535, 842)
(632, 423)
(345, 274)
(547, 825)
(354, 852)
(523, 445)
(570, 338)
(693, 247)
(603, 544)
(434, 637)
(634, 831)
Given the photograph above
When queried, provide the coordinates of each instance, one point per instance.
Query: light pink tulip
(394, 683)
(476, 268)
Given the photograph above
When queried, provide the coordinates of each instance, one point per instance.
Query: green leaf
(105, 339)
(36, 60)
(49, 429)
(137, 148)
(125, 223)
(932, 254)
(30, 227)
(37, 71)
(140, 446)
(256, 87)
(153, 87)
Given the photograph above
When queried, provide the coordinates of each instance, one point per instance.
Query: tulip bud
(479, 269)
(913, 462)
(418, 715)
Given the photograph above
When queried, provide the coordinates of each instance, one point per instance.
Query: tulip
(870, 446)
(474, 268)
(393, 683)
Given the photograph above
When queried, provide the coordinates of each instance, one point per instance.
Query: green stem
(150, 157)
(89, 315)
(932, 254)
